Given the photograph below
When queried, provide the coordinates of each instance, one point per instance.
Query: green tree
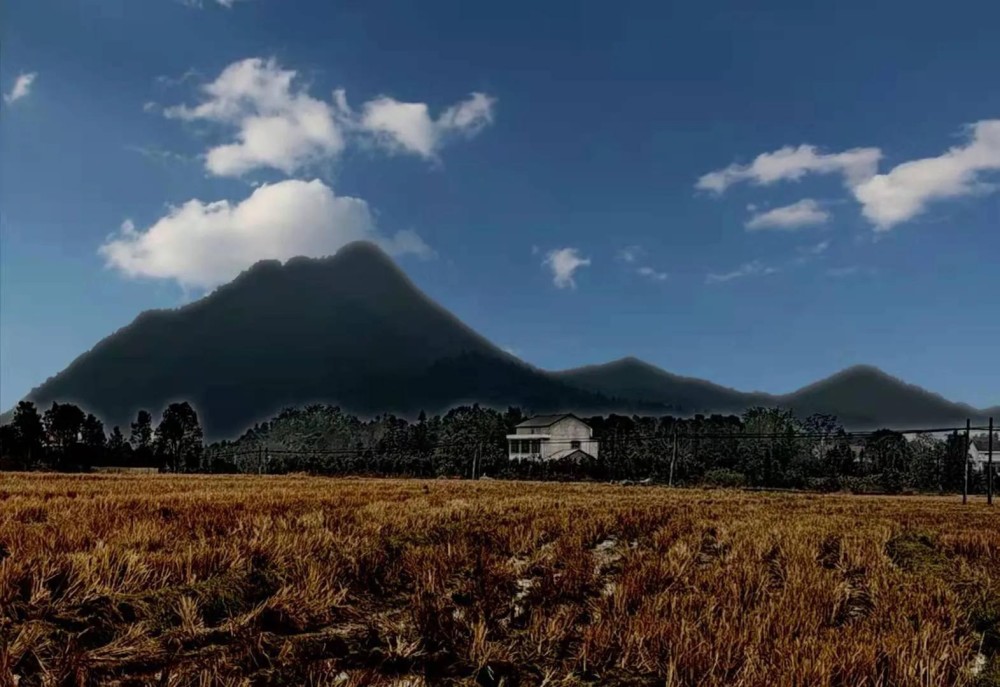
(179, 437)
(119, 450)
(63, 424)
(765, 459)
(141, 438)
(92, 440)
(927, 464)
(888, 454)
(29, 433)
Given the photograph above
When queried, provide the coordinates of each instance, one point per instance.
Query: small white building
(552, 437)
(979, 452)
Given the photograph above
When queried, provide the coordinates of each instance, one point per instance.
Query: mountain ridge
(354, 330)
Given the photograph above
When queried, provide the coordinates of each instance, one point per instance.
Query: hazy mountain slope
(633, 378)
(866, 397)
(862, 397)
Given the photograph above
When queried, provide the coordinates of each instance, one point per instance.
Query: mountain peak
(363, 250)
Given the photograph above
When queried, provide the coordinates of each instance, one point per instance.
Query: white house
(979, 452)
(551, 437)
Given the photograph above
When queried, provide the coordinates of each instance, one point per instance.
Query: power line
(731, 436)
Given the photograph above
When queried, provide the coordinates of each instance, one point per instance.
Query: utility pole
(673, 457)
(989, 464)
(965, 462)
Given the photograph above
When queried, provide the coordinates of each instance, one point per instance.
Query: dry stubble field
(194, 580)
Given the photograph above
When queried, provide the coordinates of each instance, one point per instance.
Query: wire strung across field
(735, 436)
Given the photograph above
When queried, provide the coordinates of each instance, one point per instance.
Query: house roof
(546, 420)
(576, 455)
(982, 444)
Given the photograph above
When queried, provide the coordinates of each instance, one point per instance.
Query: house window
(574, 444)
(536, 446)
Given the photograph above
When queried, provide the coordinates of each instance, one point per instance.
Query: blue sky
(755, 196)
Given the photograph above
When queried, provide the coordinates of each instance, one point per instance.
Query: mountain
(864, 397)
(350, 329)
(632, 378)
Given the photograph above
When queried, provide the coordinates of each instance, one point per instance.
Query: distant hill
(635, 379)
(866, 397)
(352, 330)
(862, 397)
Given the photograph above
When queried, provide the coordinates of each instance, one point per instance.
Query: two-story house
(552, 437)
(979, 448)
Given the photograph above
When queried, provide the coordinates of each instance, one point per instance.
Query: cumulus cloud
(22, 87)
(887, 200)
(905, 191)
(202, 244)
(409, 127)
(804, 213)
(749, 269)
(564, 262)
(651, 273)
(791, 164)
(279, 125)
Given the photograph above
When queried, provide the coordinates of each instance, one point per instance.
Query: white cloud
(201, 3)
(905, 191)
(630, 253)
(804, 213)
(22, 87)
(749, 269)
(278, 125)
(651, 273)
(409, 127)
(563, 263)
(816, 249)
(791, 164)
(887, 200)
(201, 245)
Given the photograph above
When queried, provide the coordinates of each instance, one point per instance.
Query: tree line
(763, 447)
(68, 439)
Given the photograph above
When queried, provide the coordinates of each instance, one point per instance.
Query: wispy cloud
(564, 262)
(164, 80)
(886, 200)
(791, 164)
(228, 4)
(22, 87)
(651, 273)
(815, 249)
(804, 213)
(749, 269)
(161, 154)
(630, 253)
